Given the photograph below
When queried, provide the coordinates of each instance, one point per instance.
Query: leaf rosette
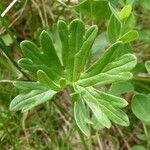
(72, 69)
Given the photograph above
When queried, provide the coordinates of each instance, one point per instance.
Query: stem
(142, 85)
(25, 115)
(146, 132)
(144, 79)
(82, 138)
(45, 14)
(79, 131)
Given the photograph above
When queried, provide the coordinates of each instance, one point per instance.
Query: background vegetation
(50, 126)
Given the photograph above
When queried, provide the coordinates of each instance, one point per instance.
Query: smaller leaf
(138, 147)
(143, 137)
(125, 12)
(119, 88)
(129, 36)
(46, 81)
(140, 106)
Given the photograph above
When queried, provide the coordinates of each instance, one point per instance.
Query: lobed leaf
(47, 61)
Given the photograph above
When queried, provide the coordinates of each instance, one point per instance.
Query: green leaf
(114, 29)
(35, 60)
(114, 12)
(50, 56)
(143, 137)
(64, 36)
(138, 147)
(140, 106)
(95, 9)
(31, 99)
(123, 64)
(111, 99)
(129, 36)
(119, 88)
(96, 124)
(28, 86)
(125, 12)
(46, 81)
(104, 78)
(82, 56)
(81, 114)
(76, 33)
